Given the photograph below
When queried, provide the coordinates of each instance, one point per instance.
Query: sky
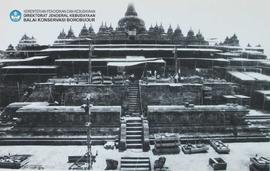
(248, 19)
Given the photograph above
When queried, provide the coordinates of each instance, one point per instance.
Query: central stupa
(131, 22)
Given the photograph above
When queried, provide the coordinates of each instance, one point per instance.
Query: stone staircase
(135, 164)
(134, 108)
(134, 130)
(134, 133)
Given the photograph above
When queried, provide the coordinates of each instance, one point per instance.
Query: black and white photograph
(135, 85)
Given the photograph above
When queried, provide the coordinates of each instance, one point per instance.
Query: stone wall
(11, 92)
(219, 89)
(75, 94)
(195, 118)
(67, 120)
(116, 95)
(99, 119)
(170, 94)
(101, 95)
(42, 93)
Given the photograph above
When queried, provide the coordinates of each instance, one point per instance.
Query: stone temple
(140, 81)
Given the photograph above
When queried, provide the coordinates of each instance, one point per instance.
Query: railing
(140, 96)
(123, 136)
(146, 139)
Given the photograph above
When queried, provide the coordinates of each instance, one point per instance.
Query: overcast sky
(248, 19)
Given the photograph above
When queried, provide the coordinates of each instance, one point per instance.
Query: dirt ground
(55, 157)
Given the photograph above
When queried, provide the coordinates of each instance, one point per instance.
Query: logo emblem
(15, 15)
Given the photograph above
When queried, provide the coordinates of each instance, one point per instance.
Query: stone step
(133, 87)
(135, 160)
(134, 83)
(134, 169)
(138, 125)
(133, 140)
(134, 123)
(135, 164)
(133, 108)
(134, 143)
(133, 101)
(132, 98)
(133, 90)
(136, 116)
(134, 111)
(137, 113)
(137, 145)
(134, 93)
(133, 118)
(145, 159)
(133, 104)
(134, 132)
(134, 136)
(134, 128)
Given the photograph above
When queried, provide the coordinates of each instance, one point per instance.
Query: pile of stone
(166, 144)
